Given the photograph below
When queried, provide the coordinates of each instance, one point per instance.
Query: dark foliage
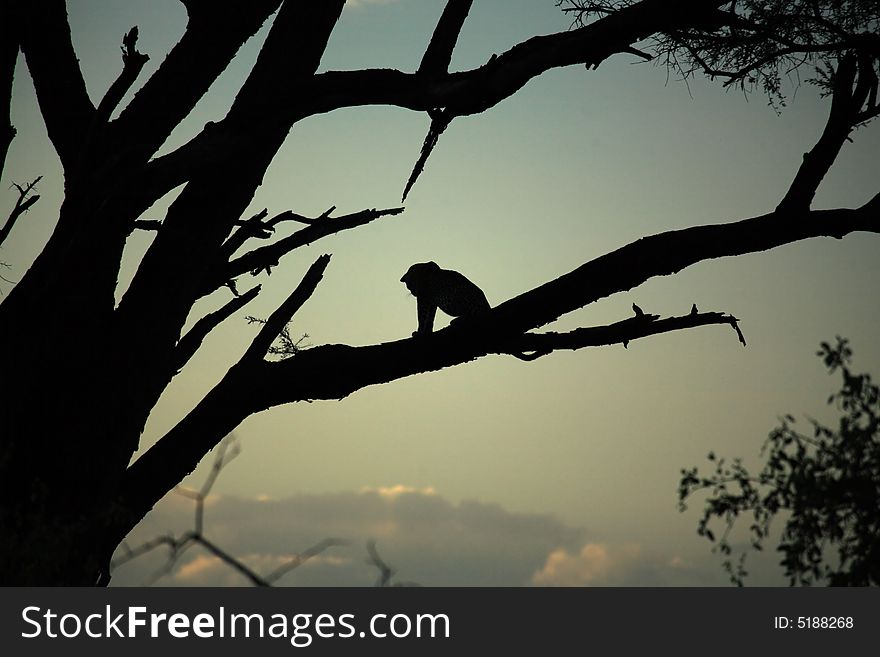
(757, 45)
(825, 483)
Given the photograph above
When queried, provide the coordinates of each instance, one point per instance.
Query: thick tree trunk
(64, 444)
(87, 374)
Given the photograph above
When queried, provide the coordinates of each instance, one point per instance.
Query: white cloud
(423, 536)
(592, 565)
(208, 570)
(399, 489)
(602, 564)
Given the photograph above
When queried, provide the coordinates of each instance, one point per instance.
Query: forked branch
(853, 101)
(268, 256)
(178, 545)
(26, 198)
(258, 227)
(335, 371)
(531, 346)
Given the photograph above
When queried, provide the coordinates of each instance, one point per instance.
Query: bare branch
(132, 64)
(231, 561)
(531, 346)
(127, 553)
(439, 52)
(292, 216)
(270, 255)
(226, 452)
(247, 228)
(22, 204)
(61, 91)
(189, 344)
(472, 92)
(256, 228)
(189, 70)
(177, 269)
(286, 310)
(440, 120)
(458, 94)
(385, 571)
(8, 55)
(335, 371)
(845, 113)
(299, 559)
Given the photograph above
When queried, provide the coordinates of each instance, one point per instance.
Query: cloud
(426, 538)
(601, 564)
(399, 489)
(423, 536)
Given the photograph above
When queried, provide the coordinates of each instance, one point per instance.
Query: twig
(22, 204)
(226, 452)
(531, 346)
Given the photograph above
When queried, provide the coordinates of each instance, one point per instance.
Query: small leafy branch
(284, 346)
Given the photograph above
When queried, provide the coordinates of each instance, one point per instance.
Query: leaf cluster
(826, 482)
(759, 44)
(284, 345)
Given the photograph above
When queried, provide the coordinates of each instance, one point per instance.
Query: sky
(558, 472)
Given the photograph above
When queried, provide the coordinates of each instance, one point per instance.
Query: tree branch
(253, 227)
(61, 91)
(845, 113)
(283, 314)
(132, 64)
(457, 94)
(8, 56)
(531, 346)
(440, 120)
(269, 256)
(178, 545)
(335, 371)
(299, 559)
(439, 52)
(474, 91)
(740, 74)
(210, 42)
(667, 253)
(22, 205)
(189, 344)
(256, 228)
(178, 266)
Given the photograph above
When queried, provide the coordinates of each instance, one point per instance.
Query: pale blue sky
(576, 164)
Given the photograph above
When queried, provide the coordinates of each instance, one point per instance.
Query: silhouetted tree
(84, 372)
(826, 484)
